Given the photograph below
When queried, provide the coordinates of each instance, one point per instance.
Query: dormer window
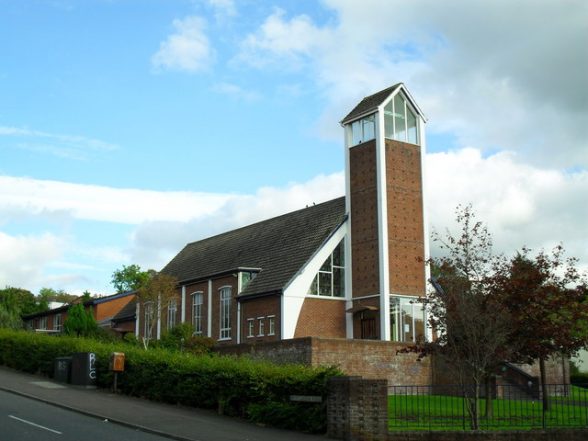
(400, 121)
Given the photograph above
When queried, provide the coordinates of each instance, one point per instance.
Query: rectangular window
(57, 325)
(271, 325)
(250, 328)
(399, 119)
(411, 123)
(43, 323)
(363, 130)
(261, 326)
(225, 313)
(246, 277)
(172, 309)
(197, 301)
(407, 319)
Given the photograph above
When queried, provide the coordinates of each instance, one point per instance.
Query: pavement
(175, 422)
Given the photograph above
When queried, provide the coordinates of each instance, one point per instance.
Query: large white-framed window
(42, 323)
(172, 310)
(400, 120)
(148, 320)
(225, 313)
(330, 279)
(57, 322)
(197, 302)
(407, 319)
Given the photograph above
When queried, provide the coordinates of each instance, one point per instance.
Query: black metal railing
(500, 407)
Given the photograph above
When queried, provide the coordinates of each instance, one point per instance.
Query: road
(23, 419)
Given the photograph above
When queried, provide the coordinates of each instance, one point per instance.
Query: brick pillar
(357, 409)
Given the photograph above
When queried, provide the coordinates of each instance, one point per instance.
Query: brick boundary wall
(366, 358)
(357, 409)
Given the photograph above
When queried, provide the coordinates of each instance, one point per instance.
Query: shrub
(256, 390)
(580, 379)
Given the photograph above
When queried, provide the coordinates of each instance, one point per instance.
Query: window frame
(250, 328)
(197, 312)
(271, 328)
(225, 294)
(172, 313)
(261, 326)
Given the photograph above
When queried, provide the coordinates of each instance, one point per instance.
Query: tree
(547, 301)
(21, 301)
(47, 295)
(472, 326)
(9, 318)
(153, 298)
(129, 278)
(80, 322)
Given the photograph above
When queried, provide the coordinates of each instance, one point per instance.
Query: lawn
(442, 412)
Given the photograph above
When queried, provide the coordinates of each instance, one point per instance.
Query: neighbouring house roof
(127, 313)
(278, 247)
(370, 103)
(91, 302)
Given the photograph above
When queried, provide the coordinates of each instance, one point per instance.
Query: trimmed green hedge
(255, 390)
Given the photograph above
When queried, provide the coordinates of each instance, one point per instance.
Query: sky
(129, 128)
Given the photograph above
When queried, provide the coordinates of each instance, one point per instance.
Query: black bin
(83, 369)
(62, 369)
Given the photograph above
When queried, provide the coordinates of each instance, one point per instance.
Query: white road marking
(33, 424)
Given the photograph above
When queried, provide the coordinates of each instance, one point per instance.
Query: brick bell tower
(387, 242)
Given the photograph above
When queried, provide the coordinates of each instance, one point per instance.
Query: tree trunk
(489, 409)
(544, 395)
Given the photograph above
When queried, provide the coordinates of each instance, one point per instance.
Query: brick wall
(364, 219)
(367, 358)
(261, 309)
(357, 409)
(325, 317)
(405, 218)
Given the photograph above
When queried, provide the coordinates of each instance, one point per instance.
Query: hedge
(256, 390)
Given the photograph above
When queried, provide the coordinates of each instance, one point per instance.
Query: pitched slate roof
(369, 103)
(279, 247)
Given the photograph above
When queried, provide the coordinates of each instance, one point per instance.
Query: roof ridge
(265, 220)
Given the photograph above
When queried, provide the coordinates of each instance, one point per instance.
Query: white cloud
(91, 202)
(223, 8)
(61, 145)
(521, 204)
(24, 259)
(236, 91)
(188, 49)
(490, 75)
(154, 243)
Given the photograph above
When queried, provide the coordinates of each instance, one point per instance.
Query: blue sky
(129, 128)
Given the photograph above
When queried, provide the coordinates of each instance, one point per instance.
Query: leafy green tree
(129, 278)
(80, 321)
(51, 295)
(9, 318)
(20, 301)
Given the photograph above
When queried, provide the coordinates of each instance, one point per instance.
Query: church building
(353, 267)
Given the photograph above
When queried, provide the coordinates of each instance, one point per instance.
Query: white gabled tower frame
(367, 127)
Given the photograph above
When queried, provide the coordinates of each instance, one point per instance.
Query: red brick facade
(364, 220)
(406, 246)
(324, 317)
(257, 316)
